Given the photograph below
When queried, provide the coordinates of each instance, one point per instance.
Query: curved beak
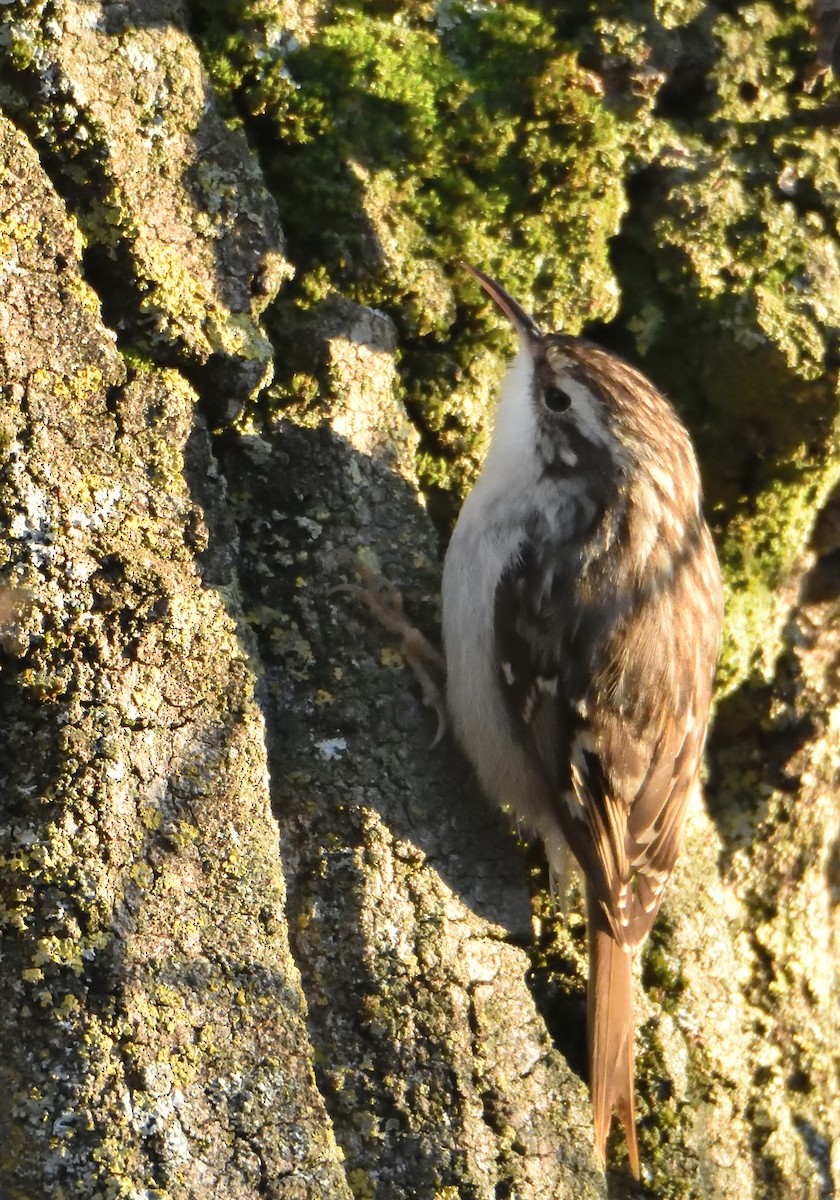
(525, 325)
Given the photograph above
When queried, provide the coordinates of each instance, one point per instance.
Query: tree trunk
(259, 937)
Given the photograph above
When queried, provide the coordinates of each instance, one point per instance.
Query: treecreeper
(582, 612)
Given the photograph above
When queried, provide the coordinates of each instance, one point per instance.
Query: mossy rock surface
(154, 1014)
(331, 999)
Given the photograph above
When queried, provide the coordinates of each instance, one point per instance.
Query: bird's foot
(385, 603)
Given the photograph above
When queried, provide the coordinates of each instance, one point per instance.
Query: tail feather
(610, 1029)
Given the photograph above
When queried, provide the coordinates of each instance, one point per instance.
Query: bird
(582, 609)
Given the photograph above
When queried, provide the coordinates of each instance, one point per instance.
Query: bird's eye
(555, 399)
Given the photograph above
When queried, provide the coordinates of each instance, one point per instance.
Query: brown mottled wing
(612, 698)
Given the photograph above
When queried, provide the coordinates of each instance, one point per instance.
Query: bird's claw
(385, 603)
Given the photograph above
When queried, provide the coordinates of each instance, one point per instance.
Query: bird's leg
(563, 870)
(385, 603)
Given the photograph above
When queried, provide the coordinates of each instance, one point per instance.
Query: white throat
(512, 456)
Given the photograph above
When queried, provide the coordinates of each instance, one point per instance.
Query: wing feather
(597, 689)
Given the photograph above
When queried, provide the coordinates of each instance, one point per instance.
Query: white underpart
(512, 455)
(487, 536)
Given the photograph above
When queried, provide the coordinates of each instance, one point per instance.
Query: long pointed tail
(610, 1028)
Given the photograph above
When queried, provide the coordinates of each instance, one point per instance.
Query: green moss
(730, 282)
(361, 1184)
(764, 540)
(401, 143)
(167, 271)
(397, 146)
(661, 974)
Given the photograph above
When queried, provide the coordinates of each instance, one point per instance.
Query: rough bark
(258, 937)
(153, 1027)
